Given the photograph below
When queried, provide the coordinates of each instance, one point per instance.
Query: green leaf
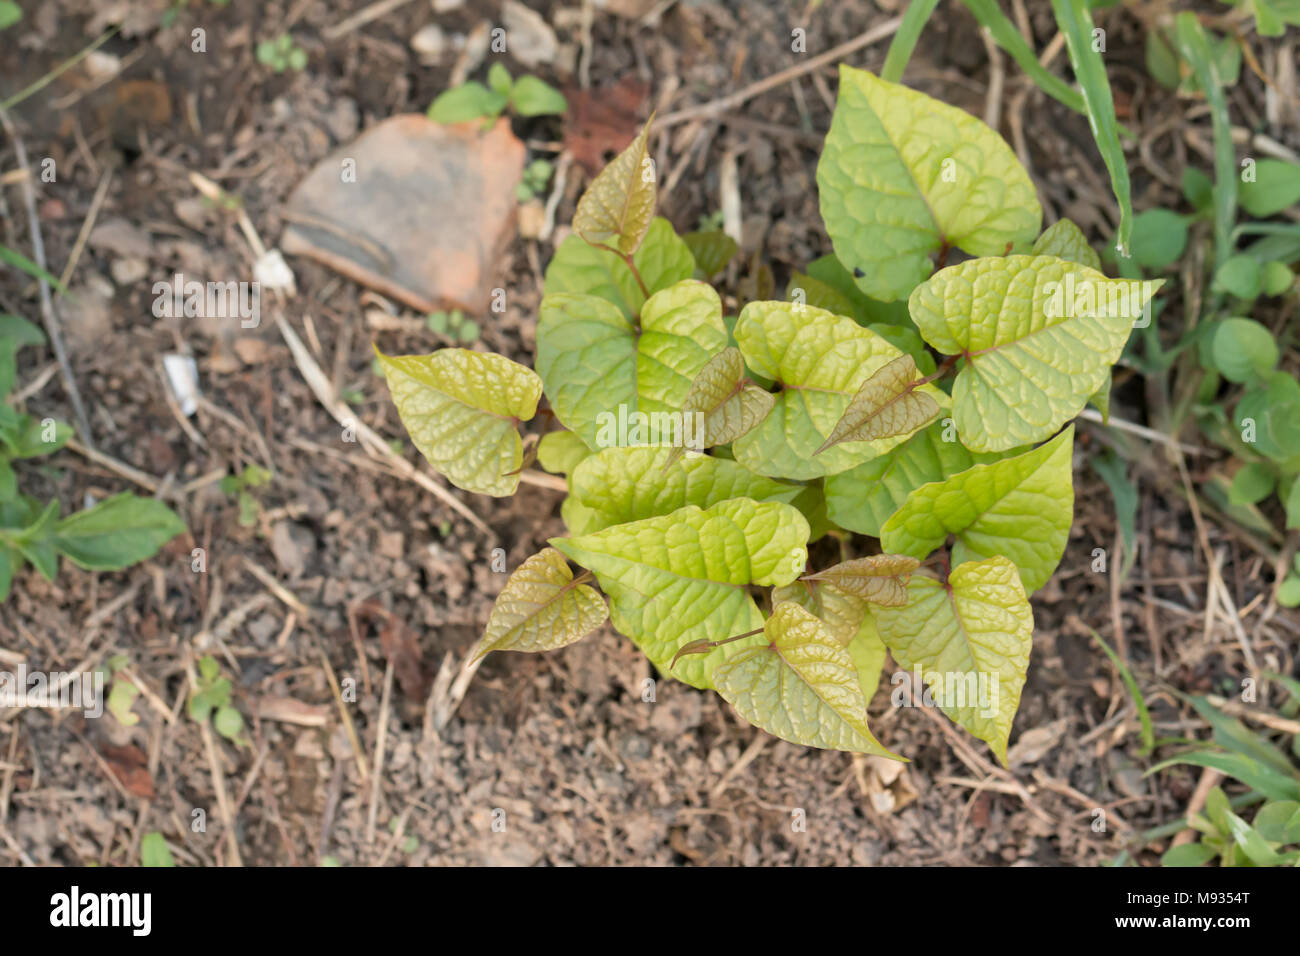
(868, 652)
(1065, 240)
(1125, 495)
(1279, 822)
(683, 577)
(542, 608)
(902, 176)
(663, 260)
(829, 271)
(1275, 187)
(972, 638)
(28, 438)
(1075, 21)
(1251, 842)
(729, 404)
(499, 79)
(154, 851)
(1039, 335)
(604, 374)
(1188, 854)
(561, 452)
(1019, 507)
(1243, 350)
(469, 101)
(618, 485)
(821, 361)
(1269, 418)
(1253, 483)
(617, 207)
(711, 249)
(20, 331)
(862, 499)
(116, 533)
(121, 698)
(1277, 279)
(1008, 36)
(1288, 592)
(11, 560)
(228, 722)
(1293, 505)
(800, 684)
(1240, 275)
(1198, 188)
(886, 404)
(8, 481)
(533, 97)
(1159, 238)
(461, 409)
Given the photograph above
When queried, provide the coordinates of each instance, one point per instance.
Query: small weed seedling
(212, 698)
(919, 418)
(282, 54)
(526, 96)
(453, 326)
(253, 476)
(536, 175)
(114, 534)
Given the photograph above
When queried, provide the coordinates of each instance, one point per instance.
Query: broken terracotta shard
(418, 211)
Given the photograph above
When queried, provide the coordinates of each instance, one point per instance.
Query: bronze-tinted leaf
(879, 579)
(887, 404)
(542, 608)
(617, 207)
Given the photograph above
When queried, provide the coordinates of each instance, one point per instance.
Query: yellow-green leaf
(604, 373)
(971, 638)
(617, 207)
(886, 404)
(820, 360)
(662, 260)
(1039, 335)
(618, 485)
(843, 614)
(1065, 240)
(1019, 507)
(461, 409)
(542, 608)
(863, 498)
(880, 579)
(562, 451)
(800, 684)
(683, 577)
(903, 175)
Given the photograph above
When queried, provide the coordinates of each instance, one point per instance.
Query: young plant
(920, 417)
(282, 54)
(526, 96)
(114, 534)
(254, 476)
(211, 697)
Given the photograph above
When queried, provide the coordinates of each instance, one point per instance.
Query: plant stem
(915, 18)
(636, 274)
(944, 368)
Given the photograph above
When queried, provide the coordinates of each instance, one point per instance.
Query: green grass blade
(1195, 48)
(1144, 715)
(915, 18)
(1005, 35)
(1075, 21)
(23, 264)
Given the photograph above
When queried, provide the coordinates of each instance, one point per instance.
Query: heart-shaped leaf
(618, 485)
(462, 409)
(1065, 240)
(603, 372)
(821, 360)
(1039, 335)
(662, 260)
(971, 637)
(799, 684)
(862, 499)
(542, 607)
(729, 404)
(683, 577)
(617, 207)
(887, 404)
(880, 579)
(1020, 508)
(903, 176)
(843, 614)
